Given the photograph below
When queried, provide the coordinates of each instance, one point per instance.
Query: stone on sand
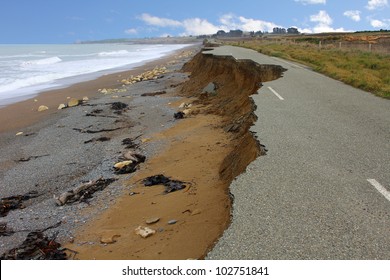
(61, 106)
(144, 232)
(152, 221)
(172, 222)
(109, 239)
(73, 102)
(43, 108)
(122, 164)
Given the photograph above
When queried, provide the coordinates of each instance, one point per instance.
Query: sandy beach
(205, 148)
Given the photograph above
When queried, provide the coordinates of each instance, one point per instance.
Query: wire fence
(379, 45)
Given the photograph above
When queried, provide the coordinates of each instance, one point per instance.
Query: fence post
(369, 47)
(340, 45)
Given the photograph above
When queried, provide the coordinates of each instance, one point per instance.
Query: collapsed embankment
(234, 82)
(206, 148)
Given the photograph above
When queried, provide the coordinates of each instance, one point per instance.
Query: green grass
(363, 70)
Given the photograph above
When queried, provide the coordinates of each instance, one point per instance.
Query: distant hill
(165, 40)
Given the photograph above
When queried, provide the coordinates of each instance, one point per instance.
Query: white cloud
(311, 2)
(380, 23)
(161, 22)
(197, 26)
(376, 4)
(354, 15)
(324, 22)
(231, 22)
(322, 18)
(249, 24)
(131, 31)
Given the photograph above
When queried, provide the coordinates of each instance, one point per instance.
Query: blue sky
(68, 21)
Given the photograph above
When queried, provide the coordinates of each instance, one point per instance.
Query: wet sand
(12, 119)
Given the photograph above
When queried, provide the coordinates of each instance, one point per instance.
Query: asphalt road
(309, 197)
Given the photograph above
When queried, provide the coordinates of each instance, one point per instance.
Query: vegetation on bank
(364, 70)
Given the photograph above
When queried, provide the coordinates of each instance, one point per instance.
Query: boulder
(43, 108)
(73, 102)
(144, 232)
(187, 112)
(210, 89)
(152, 221)
(61, 106)
(110, 239)
(122, 164)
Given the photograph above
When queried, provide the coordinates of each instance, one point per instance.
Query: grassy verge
(363, 70)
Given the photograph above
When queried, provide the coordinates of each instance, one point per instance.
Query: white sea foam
(28, 69)
(44, 61)
(115, 53)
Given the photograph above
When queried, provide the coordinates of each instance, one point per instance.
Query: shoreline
(53, 97)
(206, 150)
(51, 157)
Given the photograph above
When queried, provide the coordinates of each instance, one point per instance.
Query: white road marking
(380, 188)
(287, 62)
(274, 92)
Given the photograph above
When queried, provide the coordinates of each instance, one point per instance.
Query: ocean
(26, 70)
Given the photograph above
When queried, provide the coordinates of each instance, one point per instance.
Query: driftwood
(154, 93)
(6, 231)
(15, 202)
(30, 158)
(101, 116)
(97, 131)
(83, 192)
(37, 246)
(130, 163)
(100, 139)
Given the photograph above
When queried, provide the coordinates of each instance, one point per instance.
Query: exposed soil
(206, 149)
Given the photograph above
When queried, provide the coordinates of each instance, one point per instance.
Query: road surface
(322, 190)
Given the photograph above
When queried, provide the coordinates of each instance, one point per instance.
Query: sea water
(26, 70)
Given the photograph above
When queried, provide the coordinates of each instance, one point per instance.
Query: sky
(69, 21)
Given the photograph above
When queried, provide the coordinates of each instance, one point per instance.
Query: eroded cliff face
(235, 81)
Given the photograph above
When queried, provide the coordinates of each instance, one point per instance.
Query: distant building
(231, 33)
(258, 33)
(236, 33)
(292, 30)
(279, 30)
(221, 33)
